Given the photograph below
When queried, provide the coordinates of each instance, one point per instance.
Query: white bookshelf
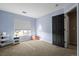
(4, 39)
(16, 40)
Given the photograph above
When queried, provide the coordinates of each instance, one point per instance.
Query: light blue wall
(44, 26)
(7, 22)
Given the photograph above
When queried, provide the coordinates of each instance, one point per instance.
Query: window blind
(22, 25)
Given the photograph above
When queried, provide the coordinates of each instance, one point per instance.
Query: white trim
(66, 30)
(77, 30)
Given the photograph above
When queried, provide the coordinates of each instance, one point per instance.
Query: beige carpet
(35, 48)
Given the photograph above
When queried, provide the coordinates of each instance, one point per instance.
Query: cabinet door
(58, 30)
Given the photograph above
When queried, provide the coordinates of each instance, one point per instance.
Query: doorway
(72, 28)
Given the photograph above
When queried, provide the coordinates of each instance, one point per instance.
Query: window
(22, 33)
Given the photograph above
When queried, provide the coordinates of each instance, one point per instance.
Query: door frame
(66, 37)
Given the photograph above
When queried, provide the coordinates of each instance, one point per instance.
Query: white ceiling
(34, 10)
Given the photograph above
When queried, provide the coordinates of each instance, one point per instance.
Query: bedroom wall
(7, 22)
(44, 26)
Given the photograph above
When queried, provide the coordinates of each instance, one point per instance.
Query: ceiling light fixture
(24, 12)
(57, 5)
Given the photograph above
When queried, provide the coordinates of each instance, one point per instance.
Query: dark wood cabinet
(58, 30)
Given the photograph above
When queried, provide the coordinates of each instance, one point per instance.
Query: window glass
(22, 33)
